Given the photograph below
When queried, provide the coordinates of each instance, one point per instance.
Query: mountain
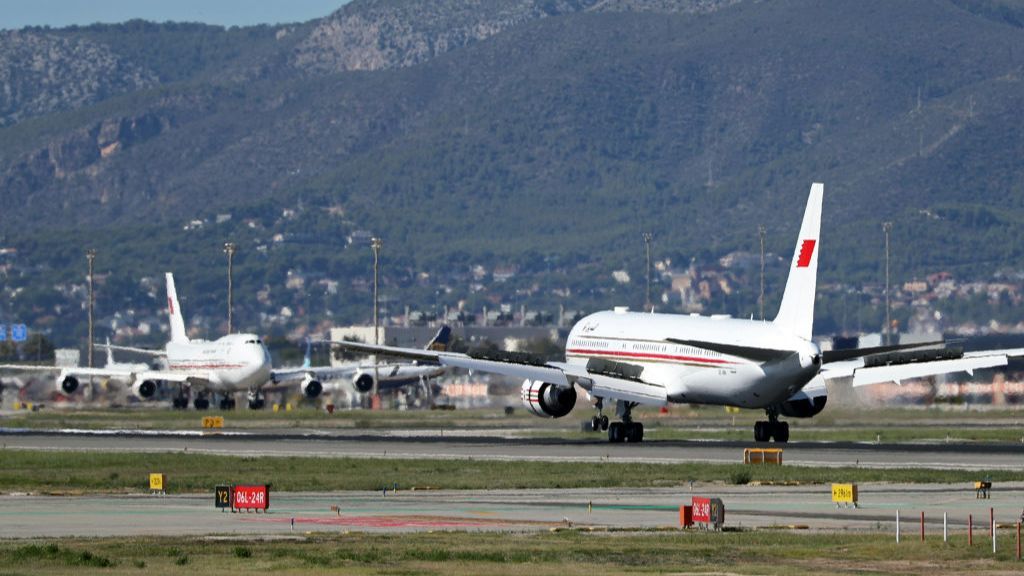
(536, 134)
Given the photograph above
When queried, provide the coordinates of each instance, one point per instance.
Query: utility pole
(90, 255)
(648, 307)
(761, 230)
(229, 249)
(887, 229)
(376, 244)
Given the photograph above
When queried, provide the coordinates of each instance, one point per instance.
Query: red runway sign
(251, 498)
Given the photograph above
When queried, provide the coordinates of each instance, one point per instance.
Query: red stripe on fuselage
(645, 356)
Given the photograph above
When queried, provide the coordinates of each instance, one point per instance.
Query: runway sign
(222, 496)
(844, 494)
(213, 421)
(250, 498)
(709, 511)
(157, 482)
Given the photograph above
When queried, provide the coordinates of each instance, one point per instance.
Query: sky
(58, 13)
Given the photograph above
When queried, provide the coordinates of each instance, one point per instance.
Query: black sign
(222, 496)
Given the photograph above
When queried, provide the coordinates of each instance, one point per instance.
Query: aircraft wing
(283, 375)
(71, 371)
(867, 370)
(146, 351)
(508, 364)
(517, 365)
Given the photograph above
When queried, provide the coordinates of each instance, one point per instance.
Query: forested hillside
(544, 135)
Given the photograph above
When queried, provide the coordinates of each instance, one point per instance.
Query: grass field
(92, 472)
(562, 553)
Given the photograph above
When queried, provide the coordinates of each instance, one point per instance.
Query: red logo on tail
(806, 251)
(170, 305)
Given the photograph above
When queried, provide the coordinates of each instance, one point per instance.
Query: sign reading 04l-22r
(250, 498)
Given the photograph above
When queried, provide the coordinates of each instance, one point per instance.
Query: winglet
(174, 312)
(796, 313)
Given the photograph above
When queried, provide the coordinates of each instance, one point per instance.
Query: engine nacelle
(802, 405)
(68, 385)
(144, 389)
(548, 400)
(311, 387)
(363, 382)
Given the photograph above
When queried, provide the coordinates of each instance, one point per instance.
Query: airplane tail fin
(796, 313)
(307, 360)
(174, 312)
(441, 340)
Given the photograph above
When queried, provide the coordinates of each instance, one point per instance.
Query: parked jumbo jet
(230, 364)
(657, 359)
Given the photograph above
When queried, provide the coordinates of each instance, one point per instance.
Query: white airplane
(232, 363)
(658, 359)
(360, 377)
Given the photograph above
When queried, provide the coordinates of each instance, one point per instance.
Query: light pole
(376, 244)
(887, 228)
(761, 230)
(90, 255)
(647, 271)
(229, 249)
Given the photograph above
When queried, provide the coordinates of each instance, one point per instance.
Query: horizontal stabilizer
(840, 355)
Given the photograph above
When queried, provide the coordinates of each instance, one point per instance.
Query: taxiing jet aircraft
(657, 359)
(230, 364)
(360, 377)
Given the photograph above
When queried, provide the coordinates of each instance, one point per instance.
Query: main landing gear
(256, 400)
(202, 401)
(180, 401)
(227, 402)
(772, 428)
(600, 421)
(627, 430)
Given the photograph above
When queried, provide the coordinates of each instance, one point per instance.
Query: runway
(752, 507)
(445, 445)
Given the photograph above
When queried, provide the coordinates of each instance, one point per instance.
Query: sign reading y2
(251, 498)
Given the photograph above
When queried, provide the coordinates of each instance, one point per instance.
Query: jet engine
(144, 388)
(803, 405)
(548, 400)
(69, 384)
(311, 387)
(363, 382)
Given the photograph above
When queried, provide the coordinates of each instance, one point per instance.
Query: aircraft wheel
(201, 403)
(638, 432)
(604, 422)
(616, 432)
(761, 431)
(781, 432)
